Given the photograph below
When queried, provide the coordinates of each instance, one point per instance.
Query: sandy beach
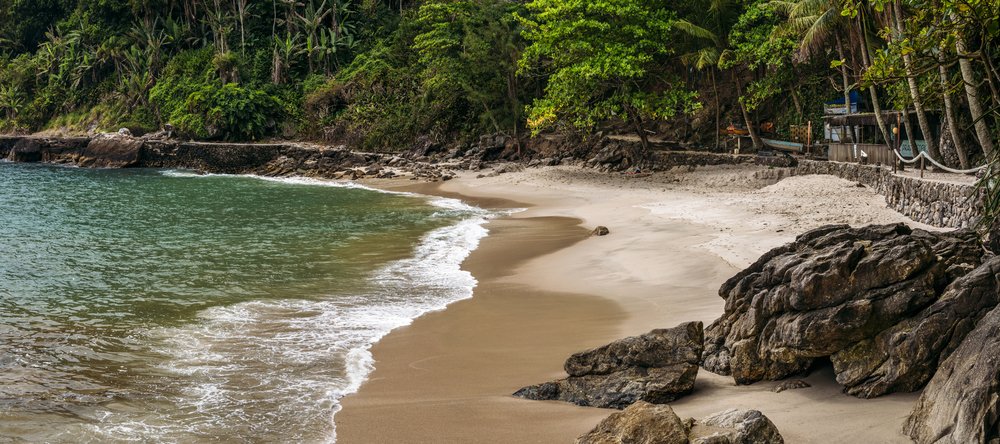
(547, 289)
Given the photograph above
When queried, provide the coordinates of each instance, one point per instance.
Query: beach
(548, 289)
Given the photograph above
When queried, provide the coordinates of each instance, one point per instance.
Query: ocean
(166, 306)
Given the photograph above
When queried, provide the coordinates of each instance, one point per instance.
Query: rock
(26, 150)
(960, 404)
(904, 357)
(737, 427)
(640, 423)
(600, 231)
(124, 132)
(656, 367)
(829, 291)
(643, 422)
(790, 384)
(111, 151)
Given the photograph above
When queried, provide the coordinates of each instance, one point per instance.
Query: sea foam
(295, 358)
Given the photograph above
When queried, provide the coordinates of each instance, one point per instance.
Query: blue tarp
(855, 98)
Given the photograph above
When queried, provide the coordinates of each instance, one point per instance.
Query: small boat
(734, 130)
(783, 145)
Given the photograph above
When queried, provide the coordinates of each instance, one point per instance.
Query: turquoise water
(165, 306)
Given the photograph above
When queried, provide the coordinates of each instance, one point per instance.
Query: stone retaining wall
(941, 204)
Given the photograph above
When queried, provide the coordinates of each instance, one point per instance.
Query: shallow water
(142, 305)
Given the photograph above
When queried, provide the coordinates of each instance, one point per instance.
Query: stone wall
(940, 204)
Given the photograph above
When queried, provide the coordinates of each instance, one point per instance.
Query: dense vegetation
(381, 74)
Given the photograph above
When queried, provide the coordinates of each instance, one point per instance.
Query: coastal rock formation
(656, 367)
(960, 404)
(872, 299)
(645, 423)
(640, 423)
(737, 427)
(54, 150)
(904, 357)
(111, 151)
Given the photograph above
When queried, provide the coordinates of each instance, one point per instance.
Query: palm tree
(896, 15)
(949, 109)
(816, 21)
(711, 35)
(972, 94)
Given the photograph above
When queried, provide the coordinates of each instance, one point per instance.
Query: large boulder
(831, 293)
(645, 423)
(961, 404)
(26, 150)
(905, 356)
(735, 426)
(656, 367)
(111, 151)
(640, 423)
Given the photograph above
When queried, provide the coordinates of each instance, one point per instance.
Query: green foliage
(605, 59)
(190, 96)
(759, 43)
(383, 74)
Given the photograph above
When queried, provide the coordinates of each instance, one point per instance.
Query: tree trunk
(276, 64)
(949, 112)
(844, 133)
(991, 73)
(972, 94)
(798, 106)
(909, 131)
(911, 80)
(515, 107)
(876, 104)
(718, 111)
(757, 143)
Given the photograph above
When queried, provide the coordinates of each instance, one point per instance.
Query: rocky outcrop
(854, 295)
(656, 367)
(645, 423)
(737, 426)
(54, 150)
(905, 356)
(158, 150)
(111, 151)
(961, 404)
(640, 423)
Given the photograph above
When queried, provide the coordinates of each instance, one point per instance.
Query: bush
(191, 97)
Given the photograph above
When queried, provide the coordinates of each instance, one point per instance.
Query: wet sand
(547, 289)
(448, 376)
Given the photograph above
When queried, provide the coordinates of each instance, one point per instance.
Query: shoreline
(448, 376)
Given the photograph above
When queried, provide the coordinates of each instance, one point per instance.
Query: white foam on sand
(276, 369)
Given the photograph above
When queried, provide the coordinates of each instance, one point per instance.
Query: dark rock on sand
(656, 367)
(905, 356)
(641, 423)
(838, 292)
(645, 423)
(735, 426)
(600, 231)
(961, 404)
(790, 384)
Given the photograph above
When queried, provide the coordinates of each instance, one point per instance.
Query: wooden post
(809, 134)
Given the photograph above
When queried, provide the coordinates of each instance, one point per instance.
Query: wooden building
(850, 137)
